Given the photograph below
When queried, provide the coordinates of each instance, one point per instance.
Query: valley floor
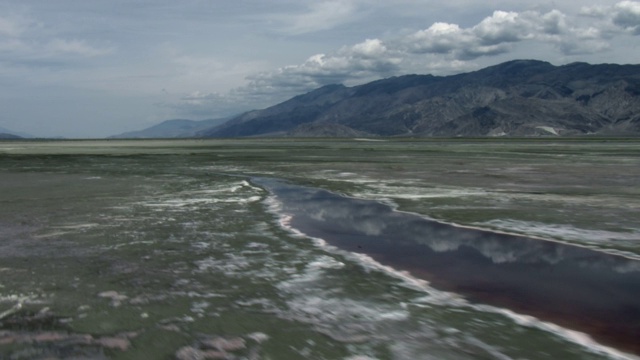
(166, 248)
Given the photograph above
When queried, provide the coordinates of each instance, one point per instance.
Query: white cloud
(369, 48)
(364, 61)
(583, 42)
(554, 23)
(440, 38)
(236, 53)
(595, 11)
(367, 60)
(492, 36)
(504, 27)
(501, 32)
(627, 15)
(624, 15)
(441, 48)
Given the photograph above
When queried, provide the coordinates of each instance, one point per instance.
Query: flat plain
(165, 248)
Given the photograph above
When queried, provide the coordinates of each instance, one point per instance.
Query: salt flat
(154, 248)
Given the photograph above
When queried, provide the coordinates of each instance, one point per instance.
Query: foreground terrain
(172, 249)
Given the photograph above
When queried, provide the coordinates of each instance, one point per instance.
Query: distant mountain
(177, 128)
(9, 134)
(516, 98)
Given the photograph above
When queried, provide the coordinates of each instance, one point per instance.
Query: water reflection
(579, 288)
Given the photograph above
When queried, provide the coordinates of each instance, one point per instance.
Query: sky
(95, 68)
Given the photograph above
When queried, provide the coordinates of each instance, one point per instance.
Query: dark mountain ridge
(516, 98)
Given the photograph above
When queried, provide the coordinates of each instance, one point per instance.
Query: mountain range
(175, 128)
(10, 134)
(515, 98)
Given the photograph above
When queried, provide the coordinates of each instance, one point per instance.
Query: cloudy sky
(93, 68)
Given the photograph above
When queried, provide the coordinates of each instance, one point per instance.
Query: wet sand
(575, 287)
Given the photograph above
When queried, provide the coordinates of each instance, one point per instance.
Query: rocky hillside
(516, 98)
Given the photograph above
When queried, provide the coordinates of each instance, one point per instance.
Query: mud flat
(165, 249)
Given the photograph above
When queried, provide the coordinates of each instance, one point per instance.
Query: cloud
(626, 14)
(25, 42)
(320, 15)
(439, 38)
(505, 27)
(12, 29)
(13, 25)
(75, 47)
(440, 48)
(238, 54)
(450, 39)
(366, 60)
(501, 32)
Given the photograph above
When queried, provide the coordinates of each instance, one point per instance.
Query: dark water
(578, 288)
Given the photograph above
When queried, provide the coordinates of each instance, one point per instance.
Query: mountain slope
(176, 128)
(281, 118)
(516, 98)
(9, 134)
